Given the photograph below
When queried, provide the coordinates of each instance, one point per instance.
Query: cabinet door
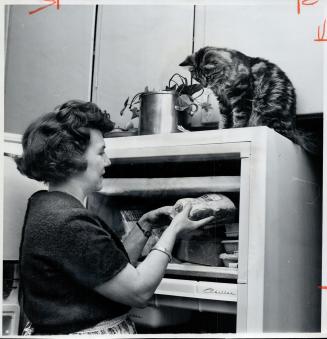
(272, 30)
(138, 46)
(49, 61)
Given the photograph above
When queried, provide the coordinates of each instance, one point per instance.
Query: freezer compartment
(269, 164)
(131, 188)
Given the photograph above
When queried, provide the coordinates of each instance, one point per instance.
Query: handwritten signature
(321, 31)
(52, 2)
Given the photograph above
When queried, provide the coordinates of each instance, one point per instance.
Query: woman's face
(97, 161)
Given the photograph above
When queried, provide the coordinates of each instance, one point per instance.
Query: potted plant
(186, 98)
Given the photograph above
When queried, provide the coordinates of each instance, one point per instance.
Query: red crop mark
(321, 37)
(323, 287)
(53, 2)
(305, 3)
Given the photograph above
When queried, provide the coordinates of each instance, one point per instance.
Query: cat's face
(209, 65)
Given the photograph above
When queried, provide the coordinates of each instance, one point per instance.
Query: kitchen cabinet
(272, 30)
(275, 287)
(48, 61)
(138, 46)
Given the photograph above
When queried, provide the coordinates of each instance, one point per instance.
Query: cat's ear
(188, 62)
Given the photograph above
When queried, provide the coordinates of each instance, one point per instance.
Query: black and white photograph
(163, 168)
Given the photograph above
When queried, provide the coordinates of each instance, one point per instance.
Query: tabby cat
(250, 91)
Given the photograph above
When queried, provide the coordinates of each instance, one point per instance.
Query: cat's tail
(308, 141)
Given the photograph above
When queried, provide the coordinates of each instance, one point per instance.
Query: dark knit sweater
(65, 252)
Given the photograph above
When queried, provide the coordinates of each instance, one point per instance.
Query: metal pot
(158, 114)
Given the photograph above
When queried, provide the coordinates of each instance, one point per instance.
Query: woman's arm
(135, 240)
(135, 286)
(134, 243)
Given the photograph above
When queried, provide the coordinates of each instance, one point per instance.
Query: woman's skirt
(120, 325)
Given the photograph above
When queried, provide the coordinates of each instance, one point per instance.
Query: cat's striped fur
(250, 91)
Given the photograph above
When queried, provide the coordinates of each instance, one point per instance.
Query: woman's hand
(157, 218)
(182, 224)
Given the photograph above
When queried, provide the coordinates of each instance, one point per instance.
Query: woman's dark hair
(54, 144)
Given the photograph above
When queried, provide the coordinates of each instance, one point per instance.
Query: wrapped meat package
(202, 246)
(214, 204)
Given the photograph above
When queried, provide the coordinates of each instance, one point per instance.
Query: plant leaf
(186, 99)
(173, 88)
(192, 111)
(180, 89)
(183, 102)
(206, 106)
(135, 111)
(191, 89)
(125, 105)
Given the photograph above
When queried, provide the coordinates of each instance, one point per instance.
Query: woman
(76, 275)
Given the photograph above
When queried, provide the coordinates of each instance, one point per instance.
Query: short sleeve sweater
(65, 252)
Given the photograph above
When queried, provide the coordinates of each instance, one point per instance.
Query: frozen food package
(211, 204)
(202, 248)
